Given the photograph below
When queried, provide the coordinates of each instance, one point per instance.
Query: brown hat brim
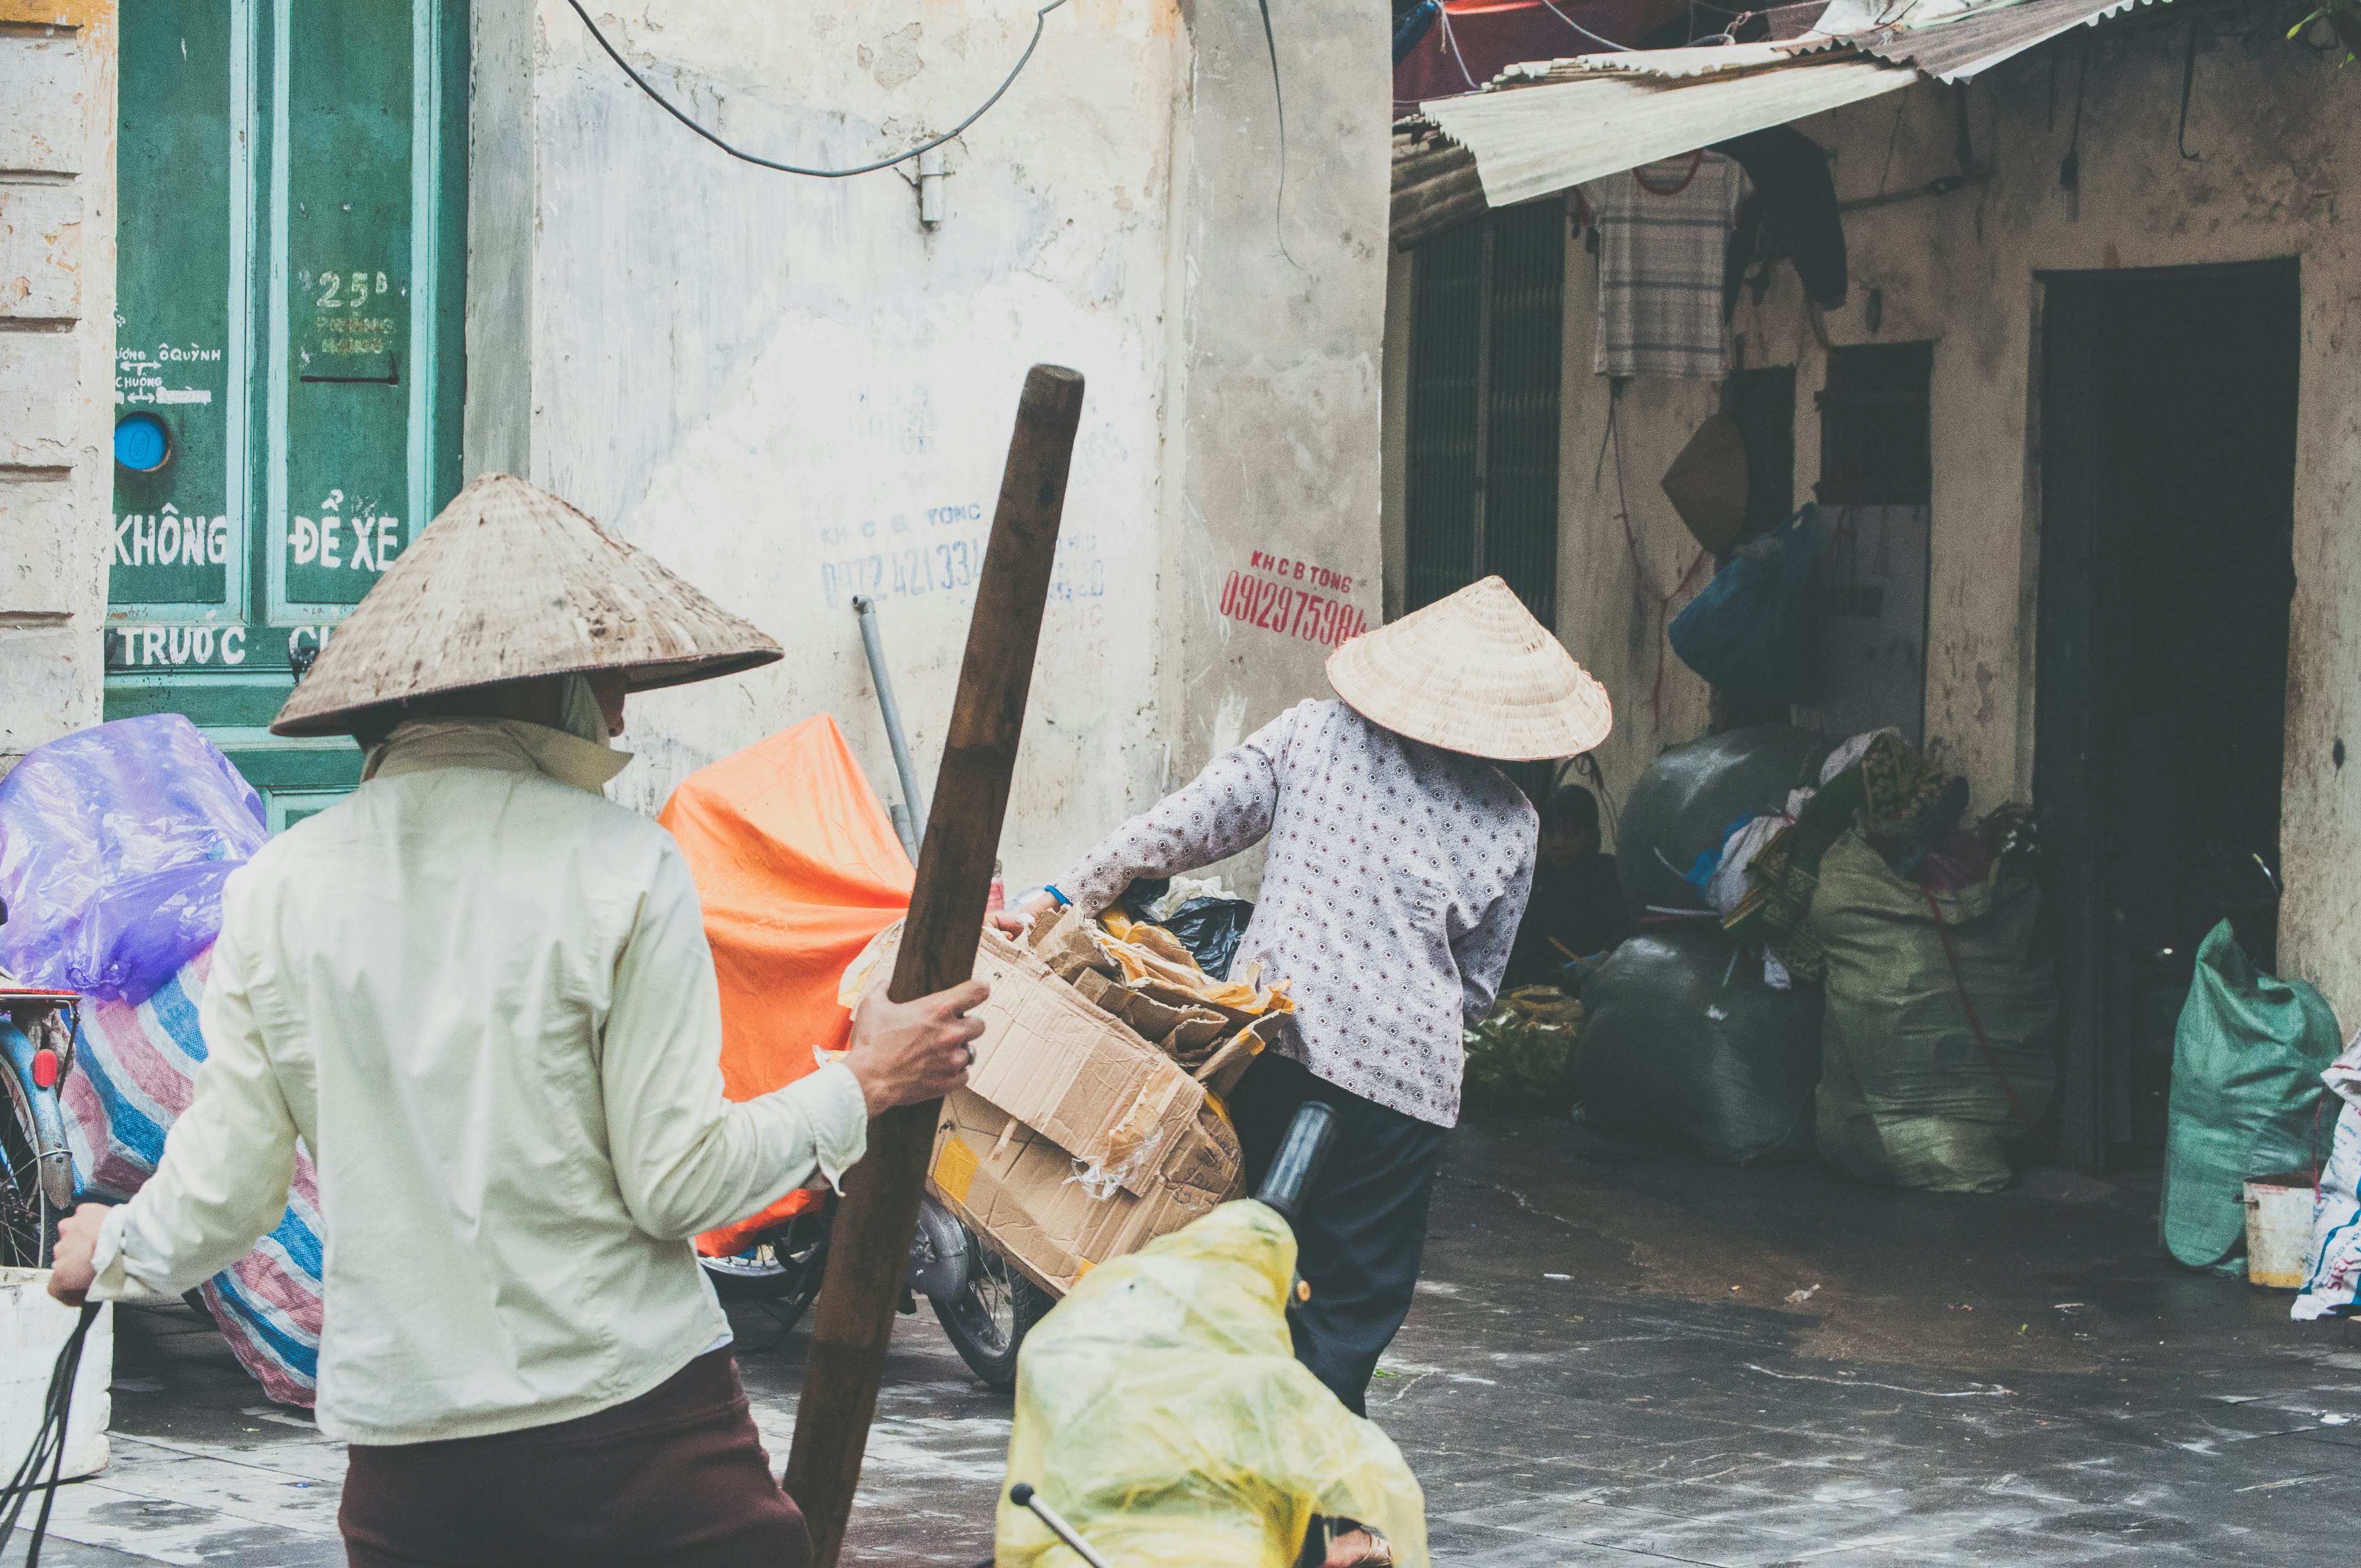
(508, 584)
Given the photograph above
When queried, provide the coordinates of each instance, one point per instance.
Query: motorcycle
(985, 1303)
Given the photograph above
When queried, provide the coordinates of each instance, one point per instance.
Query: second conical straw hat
(1708, 484)
(1475, 673)
(508, 583)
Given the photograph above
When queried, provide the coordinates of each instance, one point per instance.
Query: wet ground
(1620, 1355)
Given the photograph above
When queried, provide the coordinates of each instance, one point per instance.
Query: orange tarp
(798, 867)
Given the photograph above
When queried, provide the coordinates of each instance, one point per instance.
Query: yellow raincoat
(1160, 1410)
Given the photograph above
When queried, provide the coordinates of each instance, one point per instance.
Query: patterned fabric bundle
(2333, 1288)
(1904, 804)
(132, 1075)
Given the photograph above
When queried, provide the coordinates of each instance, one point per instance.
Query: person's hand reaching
(1013, 923)
(71, 1268)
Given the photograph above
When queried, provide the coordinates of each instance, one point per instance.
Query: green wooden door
(292, 189)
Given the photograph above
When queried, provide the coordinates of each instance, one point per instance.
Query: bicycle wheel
(988, 1319)
(28, 1222)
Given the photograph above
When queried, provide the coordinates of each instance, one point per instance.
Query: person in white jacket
(480, 995)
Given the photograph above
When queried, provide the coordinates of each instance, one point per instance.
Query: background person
(1577, 909)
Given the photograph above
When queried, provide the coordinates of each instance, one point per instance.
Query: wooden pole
(869, 1250)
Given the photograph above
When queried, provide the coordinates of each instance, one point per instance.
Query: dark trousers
(1363, 1228)
(675, 1477)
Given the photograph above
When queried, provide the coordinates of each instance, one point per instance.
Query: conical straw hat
(1475, 673)
(508, 583)
(1706, 484)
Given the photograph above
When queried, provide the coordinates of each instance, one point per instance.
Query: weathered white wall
(793, 393)
(57, 340)
(2279, 158)
(2281, 163)
(1625, 563)
(1274, 477)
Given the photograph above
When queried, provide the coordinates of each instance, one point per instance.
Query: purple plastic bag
(114, 845)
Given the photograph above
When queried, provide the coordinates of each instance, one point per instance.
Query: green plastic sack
(1161, 1408)
(2247, 1060)
(1517, 1057)
(1682, 806)
(1682, 1041)
(1908, 1097)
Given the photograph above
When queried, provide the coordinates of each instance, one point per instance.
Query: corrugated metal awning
(1955, 47)
(1535, 140)
(1544, 126)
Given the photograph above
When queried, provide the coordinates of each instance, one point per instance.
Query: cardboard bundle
(1147, 980)
(1077, 1139)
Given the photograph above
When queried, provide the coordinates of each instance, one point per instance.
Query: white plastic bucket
(2279, 1229)
(33, 1329)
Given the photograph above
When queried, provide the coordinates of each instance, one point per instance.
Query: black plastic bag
(1211, 929)
(1683, 1042)
(1684, 805)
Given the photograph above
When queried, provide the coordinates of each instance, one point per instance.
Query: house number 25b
(348, 289)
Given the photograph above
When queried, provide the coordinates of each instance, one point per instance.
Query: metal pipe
(1940, 187)
(864, 609)
(1025, 1496)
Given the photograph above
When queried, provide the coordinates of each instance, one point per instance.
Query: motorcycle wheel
(782, 1265)
(988, 1319)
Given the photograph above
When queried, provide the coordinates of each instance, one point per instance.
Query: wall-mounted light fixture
(928, 183)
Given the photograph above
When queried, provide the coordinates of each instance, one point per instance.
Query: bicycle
(39, 1028)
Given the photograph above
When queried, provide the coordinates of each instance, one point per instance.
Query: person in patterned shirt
(1397, 862)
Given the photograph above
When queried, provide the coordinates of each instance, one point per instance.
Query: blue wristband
(1051, 889)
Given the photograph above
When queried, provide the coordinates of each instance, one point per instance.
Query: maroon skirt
(676, 1477)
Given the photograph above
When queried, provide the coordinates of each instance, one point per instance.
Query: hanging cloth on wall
(1797, 215)
(1662, 231)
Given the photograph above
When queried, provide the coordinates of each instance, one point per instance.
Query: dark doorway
(2167, 453)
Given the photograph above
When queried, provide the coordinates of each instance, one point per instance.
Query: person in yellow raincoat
(1161, 1410)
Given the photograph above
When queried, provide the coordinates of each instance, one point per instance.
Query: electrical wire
(1578, 28)
(1040, 20)
(1901, 102)
(1612, 439)
(1279, 102)
(1586, 766)
(1451, 42)
(49, 1450)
